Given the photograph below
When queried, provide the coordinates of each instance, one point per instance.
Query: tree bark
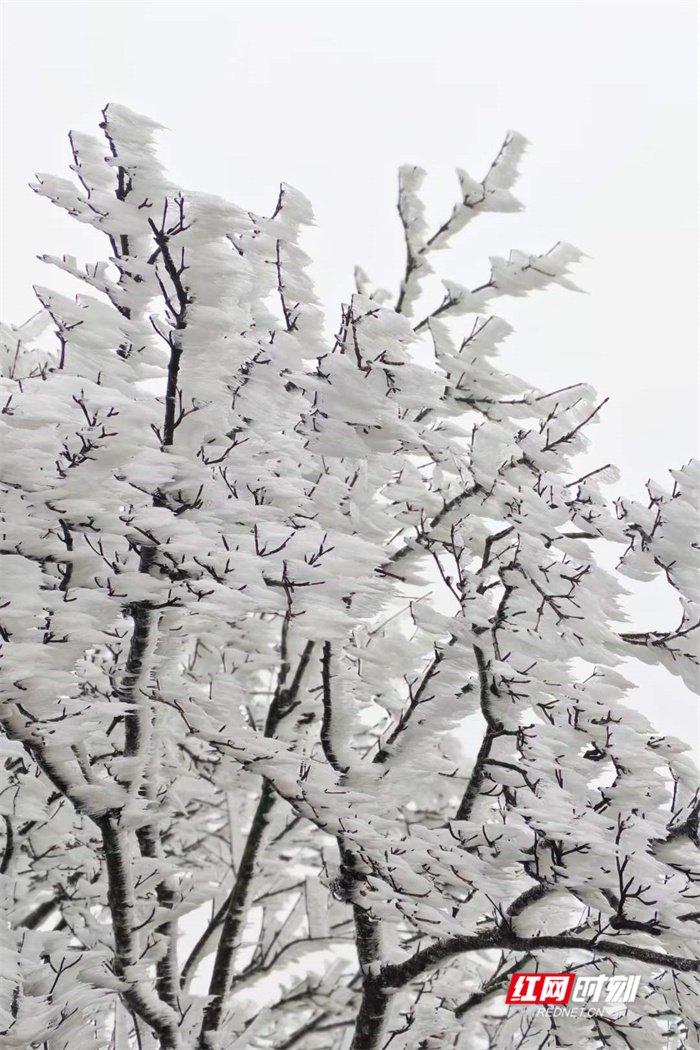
(236, 908)
(372, 1013)
(141, 1001)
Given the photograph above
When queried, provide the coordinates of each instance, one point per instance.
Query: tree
(309, 648)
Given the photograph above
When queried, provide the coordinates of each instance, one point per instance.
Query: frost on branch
(318, 701)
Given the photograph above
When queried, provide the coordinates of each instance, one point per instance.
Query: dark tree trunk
(370, 1019)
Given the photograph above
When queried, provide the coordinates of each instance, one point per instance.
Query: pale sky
(333, 96)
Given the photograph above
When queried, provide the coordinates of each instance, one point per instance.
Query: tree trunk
(370, 1019)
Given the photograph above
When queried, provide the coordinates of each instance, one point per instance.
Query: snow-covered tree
(317, 696)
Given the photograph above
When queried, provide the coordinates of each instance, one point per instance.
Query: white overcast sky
(333, 96)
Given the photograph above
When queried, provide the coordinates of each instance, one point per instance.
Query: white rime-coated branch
(318, 706)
